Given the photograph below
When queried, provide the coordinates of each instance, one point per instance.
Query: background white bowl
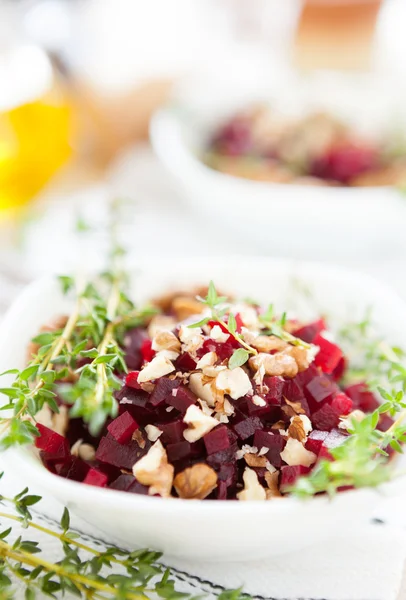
(211, 530)
(283, 219)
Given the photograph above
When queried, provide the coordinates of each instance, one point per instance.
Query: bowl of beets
(245, 156)
(215, 421)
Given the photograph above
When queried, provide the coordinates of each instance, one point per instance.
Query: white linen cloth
(366, 565)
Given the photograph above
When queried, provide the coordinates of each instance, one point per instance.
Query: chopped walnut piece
(253, 460)
(202, 388)
(83, 451)
(253, 490)
(159, 366)
(166, 340)
(302, 356)
(272, 480)
(346, 422)
(195, 482)
(153, 470)
(234, 382)
(295, 454)
(191, 338)
(148, 386)
(186, 306)
(300, 427)
(275, 364)
(218, 335)
(278, 425)
(139, 438)
(269, 343)
(160, 323)
(153, 433)
(208, 360)
(198, 424)
(296, 407)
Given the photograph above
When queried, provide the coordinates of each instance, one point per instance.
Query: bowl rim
(16, 458)
(166, 116)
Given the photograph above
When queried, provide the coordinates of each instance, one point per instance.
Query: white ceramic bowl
(281, 219)
(210, 529)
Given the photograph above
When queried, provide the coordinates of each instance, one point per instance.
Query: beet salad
(217, 400)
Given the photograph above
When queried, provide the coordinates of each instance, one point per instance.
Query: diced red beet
(163, 390)
(182, 450)
(340, 369)
(315, 441)
(328, 356)
(111, 452)
(335, 438)
(290, 474)
(135, 402)
(275, 387)
(123, 427)
(223, 350)
(239, 322)
(73, 468)
(275, 443)
(131, 380)
(294, 393)
(122, 483)
(132, 345)
(228, 473)
(96, 478)
(344, 162)
(181, 398)
(173, 431)
(217, 440)
(324, 454)
(146, 350)
(342, 404)
(385, 421)
(137, 488)
(363, 399)
(247, 427)
(221, 490)
(326, 418)
(308, 332)
(185, 362)
(52, 442)
(217, 459)
(320, 389)
(306, 376)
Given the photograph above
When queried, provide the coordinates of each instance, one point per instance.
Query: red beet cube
(342, 404)
(315, 441)
(290, 474)
(305, 377)
(52, 443)
(73, 468)
(181, 398)
(326, 418)
(328, 356)
(218, 459)
(320, 389)
(180, 451)
(340, 369)
(273, 441)
(344, 162)
(137, 488)
(223, 350)
(123, 427)
(217, 440)
(122, 483)
(172, 432)
(131, 380)
(362, 397)
(275, 387)
(247, 427)
(163, 390)
(96, 478)
(385, 421)
(146, 350)
(112, 453)
(221, 490)
(132, 344)
(185, 363)
(308, 332)
(228, 473)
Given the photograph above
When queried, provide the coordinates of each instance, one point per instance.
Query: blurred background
(223, 126)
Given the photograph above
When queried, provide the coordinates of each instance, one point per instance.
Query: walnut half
(195, 482)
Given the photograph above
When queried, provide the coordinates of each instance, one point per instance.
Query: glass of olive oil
(35, 125)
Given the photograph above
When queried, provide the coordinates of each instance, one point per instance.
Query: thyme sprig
(82, 570)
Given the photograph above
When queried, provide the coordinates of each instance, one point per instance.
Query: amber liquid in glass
(336, 34)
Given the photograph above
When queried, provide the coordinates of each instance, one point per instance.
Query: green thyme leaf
(238, 358)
